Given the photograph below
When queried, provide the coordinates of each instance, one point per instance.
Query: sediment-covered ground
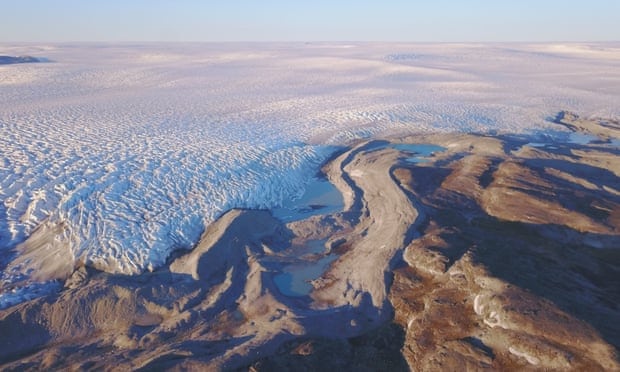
(498, 252)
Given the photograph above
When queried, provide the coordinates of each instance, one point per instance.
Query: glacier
(126, 152)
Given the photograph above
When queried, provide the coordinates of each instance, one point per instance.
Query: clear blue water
(547, 146)
(579, 138)
(294, 280)
(320, 197)
(421, 151)
(576, 138)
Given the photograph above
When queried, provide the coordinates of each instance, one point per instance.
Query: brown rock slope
(518, 265)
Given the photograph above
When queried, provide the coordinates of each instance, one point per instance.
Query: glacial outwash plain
(308, 206)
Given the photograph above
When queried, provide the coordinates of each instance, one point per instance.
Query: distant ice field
(123, 153)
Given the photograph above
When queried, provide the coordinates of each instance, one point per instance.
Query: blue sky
(318, 20)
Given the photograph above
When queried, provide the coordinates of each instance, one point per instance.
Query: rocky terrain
(499, 252)
(9, 60)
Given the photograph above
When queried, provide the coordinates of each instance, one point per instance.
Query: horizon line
(305, 41)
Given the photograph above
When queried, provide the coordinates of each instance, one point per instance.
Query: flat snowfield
(115, 155)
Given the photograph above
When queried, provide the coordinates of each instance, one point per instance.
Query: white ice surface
(135, 148)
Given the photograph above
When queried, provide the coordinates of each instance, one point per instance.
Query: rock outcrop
(9, 60)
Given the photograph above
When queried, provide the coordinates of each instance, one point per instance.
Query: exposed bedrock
(9, 60)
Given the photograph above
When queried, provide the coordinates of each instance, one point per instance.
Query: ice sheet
(133, 149)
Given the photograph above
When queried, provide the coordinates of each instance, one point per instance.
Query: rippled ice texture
(132, 149)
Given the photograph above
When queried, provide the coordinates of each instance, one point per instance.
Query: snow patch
(478, 306)
(357, 173)
(521, 354)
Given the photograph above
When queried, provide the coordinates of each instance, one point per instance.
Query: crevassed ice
(134, 149)
(125, 208)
